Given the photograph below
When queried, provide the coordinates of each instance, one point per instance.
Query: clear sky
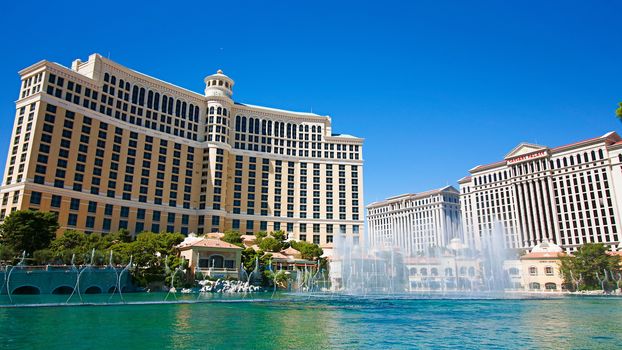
(434, 87)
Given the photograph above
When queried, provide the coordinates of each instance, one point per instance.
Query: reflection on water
(322, 322)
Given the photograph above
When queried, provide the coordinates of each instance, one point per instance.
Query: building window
(548, 270)
(533, 271)
(72, 220)
(35, 197)
(55, 202)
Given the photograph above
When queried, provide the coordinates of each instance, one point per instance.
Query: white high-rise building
(413, 222)
(569, 195)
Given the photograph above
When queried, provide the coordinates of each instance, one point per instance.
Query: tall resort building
(413, 222)
(569, 195)
(106, 147)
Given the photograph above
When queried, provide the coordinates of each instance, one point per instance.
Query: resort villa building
(416, 221)
(567, 195)
(108, 148)
(540, 268)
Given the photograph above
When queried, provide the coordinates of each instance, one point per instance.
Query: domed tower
(218, 91)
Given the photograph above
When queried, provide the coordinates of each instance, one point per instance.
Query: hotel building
(568, 195)
(413, 222)
(108, 148)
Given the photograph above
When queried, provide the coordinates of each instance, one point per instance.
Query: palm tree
(619, 111)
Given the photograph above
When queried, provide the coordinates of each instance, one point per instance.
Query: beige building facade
(106, 147)
(567, 195)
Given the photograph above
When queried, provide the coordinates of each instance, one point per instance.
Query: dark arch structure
(26, 290)
(63, 290)
(93, 290)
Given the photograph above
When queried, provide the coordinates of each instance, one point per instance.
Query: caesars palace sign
(527, 157)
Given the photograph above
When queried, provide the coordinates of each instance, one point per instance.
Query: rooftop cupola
(218, 85)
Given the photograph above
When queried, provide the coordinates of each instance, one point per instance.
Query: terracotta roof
(542, 255)
(290, 251)
(208, 243)
(279, 256)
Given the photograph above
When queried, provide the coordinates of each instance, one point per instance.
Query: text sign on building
(527, 157)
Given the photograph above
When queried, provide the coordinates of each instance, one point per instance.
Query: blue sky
(435, 87)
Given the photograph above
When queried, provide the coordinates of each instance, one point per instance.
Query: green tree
(619, 111)
(270, 244)
(279, 235)
(233, 237)
(307, 250)
(28, 230)
(588, 261)
(260, 235)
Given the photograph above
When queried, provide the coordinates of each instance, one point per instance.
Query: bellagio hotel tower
(105, 148)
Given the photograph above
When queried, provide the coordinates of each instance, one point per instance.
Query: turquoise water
(316, 322)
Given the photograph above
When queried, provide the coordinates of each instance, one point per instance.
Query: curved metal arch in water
(8, 277)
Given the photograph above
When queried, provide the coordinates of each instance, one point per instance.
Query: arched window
(141, 97)
(600, 154)
(191, 111)
(170, 105)
(533, 270)
(565, 162)
(319, 129)
(313, 128)
(251, 125)
(150, 99)
(471, 271)
(219, 110)
(113, 80)
(269, 127)
(178, 108)
(449, 272)
(301, 128)
(196, 114)
(257, 126)
(264, 127)
(593, 156)
(306, 128)
(571, 160)
(559, 164)
(289, 130)
(513, 271)
(424, 272)
(534, 285)
(434, 271)
(135, 94)
(413, 271)
(156, 101)
(549, 286)
(620, 157)
(585, 158)
(121, 84)
(578, 159)
(224, 112)
(183, 109)
(106, 77)
(462, 270)
(282, 131)
(211, 110)
(243, 124)
(164, 103)
(216, 261)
